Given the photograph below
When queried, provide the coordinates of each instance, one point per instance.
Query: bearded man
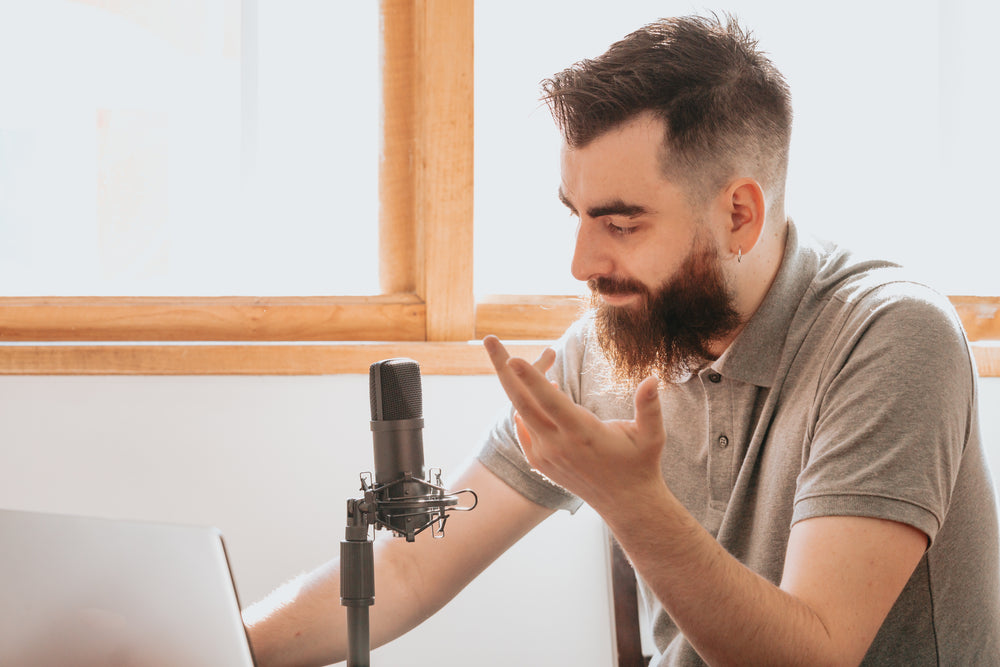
(782, 437)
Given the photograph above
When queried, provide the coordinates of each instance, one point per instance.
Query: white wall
(271, 461)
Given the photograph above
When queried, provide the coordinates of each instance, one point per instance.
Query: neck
(753, 276)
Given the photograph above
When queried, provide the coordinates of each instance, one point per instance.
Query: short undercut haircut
(726, 108)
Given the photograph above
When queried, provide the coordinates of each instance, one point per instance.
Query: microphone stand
(400, 515)
(357, 580)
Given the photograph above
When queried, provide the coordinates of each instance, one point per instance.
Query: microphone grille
(394, 390)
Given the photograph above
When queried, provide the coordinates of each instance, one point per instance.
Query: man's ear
(747, 211)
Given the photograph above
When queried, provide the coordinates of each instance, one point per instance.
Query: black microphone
(403, 501)
(399, 499)
(397, 437)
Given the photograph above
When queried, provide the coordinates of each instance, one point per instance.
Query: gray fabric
(851, 391)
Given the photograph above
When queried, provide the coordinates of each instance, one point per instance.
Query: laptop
(87, 591)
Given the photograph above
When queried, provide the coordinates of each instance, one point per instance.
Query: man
(783, 438)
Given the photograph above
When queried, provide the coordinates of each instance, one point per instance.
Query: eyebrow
(614, 207)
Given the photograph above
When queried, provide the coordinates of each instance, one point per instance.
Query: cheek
(661, 259)
(655, 270)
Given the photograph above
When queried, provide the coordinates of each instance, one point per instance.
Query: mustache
(611, 285)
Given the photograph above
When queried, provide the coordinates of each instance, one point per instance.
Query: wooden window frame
(427, 310)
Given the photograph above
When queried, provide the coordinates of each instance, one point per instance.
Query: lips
(609, 287)
(619, 300)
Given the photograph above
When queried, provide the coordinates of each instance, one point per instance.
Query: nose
(590, 256)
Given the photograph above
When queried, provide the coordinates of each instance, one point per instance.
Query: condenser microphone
(403, 501)
(397, 436)
(399, 499)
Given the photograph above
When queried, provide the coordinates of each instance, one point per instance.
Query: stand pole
(357, 552)
(359, 641)
(357, 583)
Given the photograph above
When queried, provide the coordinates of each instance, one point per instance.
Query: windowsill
(311, 337)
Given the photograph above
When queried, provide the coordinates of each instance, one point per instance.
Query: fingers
(496, 350)
(536, 400)
(509, 380)
(499, 355)
(512, 371)
(648, 415)
(545, 360)
(499, 358)
(548, 400)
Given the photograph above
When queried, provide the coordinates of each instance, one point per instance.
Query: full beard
(671, 330)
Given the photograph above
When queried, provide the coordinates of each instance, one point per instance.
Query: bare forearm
(728, 613)
(303, 623)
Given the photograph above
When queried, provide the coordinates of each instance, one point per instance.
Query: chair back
(625, 609)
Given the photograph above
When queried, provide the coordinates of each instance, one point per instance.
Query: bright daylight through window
(153, 148)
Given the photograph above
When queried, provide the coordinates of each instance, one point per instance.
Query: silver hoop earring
(739, 255)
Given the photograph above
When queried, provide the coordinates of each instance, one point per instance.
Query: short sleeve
(893, 412)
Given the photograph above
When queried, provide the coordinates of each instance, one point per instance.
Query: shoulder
(896, 313)
(852, 300)
(870, 327)
(900, 344)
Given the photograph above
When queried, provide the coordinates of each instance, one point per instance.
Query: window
(314, 187)
(119, 143)
(198, 148)
(425, 256)
(426, 305)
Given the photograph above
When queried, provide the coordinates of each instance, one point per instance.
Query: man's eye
(619, 230)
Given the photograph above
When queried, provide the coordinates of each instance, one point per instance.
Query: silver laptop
(87, 591)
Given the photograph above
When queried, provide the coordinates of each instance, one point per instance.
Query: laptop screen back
(87, 591)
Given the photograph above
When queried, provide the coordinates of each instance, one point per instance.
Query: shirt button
(715, 377)
(723, 441)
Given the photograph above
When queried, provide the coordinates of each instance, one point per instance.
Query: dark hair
(726, 108)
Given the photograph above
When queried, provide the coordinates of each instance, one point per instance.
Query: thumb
(648, 416)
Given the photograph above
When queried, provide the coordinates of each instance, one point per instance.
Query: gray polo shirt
(851, 391)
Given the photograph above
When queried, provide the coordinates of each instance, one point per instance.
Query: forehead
(625, 163)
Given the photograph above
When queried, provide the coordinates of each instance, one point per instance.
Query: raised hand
(605, 463)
